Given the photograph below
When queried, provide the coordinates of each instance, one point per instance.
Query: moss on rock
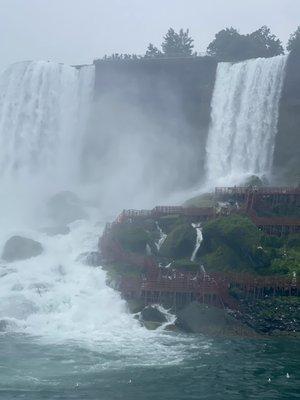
(180, 242)
(132, 237)
(203, 200)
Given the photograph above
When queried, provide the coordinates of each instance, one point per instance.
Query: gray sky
(77, 31)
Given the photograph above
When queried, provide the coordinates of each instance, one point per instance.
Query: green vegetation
(230, 45)
(185, 264)
(177, 44)
(294, 41)
(117, 270)
(255, 180)
(152, 51)
(168, 223)
(132, 237)
(235, 244)
(203, 200)
(180, 242)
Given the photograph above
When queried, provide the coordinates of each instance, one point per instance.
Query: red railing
(243, 190)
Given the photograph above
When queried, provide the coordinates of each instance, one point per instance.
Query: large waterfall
(244, 119)
(42, 110)
(55, 296)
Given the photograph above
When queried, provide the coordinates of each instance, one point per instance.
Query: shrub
(180, 242)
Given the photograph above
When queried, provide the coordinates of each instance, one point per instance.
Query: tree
(227, 45)
(152, 51)
(264, 43)
(177, 44)
(230, 45)
(294, 41)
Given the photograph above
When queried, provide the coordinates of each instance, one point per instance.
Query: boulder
(65, 207)
(210, 320)
(21, 248)
(180, 242)
(152, 314)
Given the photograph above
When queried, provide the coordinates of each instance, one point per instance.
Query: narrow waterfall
(42, 109)
(162, 237)
(244, 119)
(198, 240)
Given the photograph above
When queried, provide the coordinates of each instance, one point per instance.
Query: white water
(44, 108)
(199, 239)
(162, 237)
(244, 119)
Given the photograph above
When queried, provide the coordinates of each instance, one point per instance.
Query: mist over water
(244, 119)
(67, 333)
(49, 135)
(45, 108)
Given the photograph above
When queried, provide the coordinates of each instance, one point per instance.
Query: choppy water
(192, 367)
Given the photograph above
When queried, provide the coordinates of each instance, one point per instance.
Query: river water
(189, 367)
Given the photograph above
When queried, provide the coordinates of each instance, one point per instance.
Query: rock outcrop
(209, 320)
(21, 248)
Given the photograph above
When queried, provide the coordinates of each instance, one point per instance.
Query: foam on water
(55, 298)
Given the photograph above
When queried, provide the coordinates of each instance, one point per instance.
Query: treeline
(228, 45)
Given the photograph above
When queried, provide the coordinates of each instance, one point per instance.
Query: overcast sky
(78, 31)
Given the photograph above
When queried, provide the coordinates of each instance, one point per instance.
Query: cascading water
(244, 119)
(199, 239)
(43, 112)
(41, 109)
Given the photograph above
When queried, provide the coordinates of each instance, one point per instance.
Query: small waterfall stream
(198, 240)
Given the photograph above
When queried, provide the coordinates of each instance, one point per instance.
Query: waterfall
(199, 239)
(244, 118)
(42, 110)
(162, 237)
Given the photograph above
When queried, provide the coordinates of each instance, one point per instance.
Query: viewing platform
(180, 288)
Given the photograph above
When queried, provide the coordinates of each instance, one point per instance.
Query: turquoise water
(204, 369)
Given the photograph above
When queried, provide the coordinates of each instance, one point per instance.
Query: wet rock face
(152, 314)
(65, 207)
(3, 325)
(21, 248)
(151, 318)
(201, 318)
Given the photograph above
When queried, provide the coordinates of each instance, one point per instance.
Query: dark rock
(201, 318)
(65, 207)
(21, 248)
(3, 325)
(180, 242)
(135, 305)
(152, 314)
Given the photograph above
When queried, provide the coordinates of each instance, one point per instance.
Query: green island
(247, 236)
